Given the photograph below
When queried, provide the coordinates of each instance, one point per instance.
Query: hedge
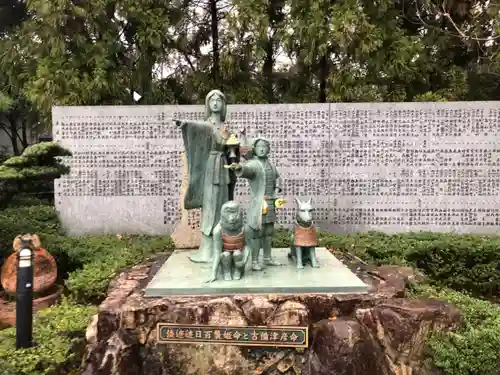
(90, 283)
(463, 262)
(75, 253)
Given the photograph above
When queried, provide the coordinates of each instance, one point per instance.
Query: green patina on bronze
(231, 250)
(289, 336)
(210, 185)
(263, 179)
(303, 238)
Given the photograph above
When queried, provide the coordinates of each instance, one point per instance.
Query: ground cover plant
(87, 264)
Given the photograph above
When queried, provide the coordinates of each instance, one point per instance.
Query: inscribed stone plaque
(415, 166)
(284, 337)
(386, 166)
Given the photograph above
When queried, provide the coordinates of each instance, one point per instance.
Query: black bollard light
(24, 296)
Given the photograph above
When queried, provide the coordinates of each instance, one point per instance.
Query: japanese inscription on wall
(386, 166)
(292, 337)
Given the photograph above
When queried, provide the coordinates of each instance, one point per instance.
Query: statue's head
(305, 211)
(215, 102)
(231, 217)
(261, 147)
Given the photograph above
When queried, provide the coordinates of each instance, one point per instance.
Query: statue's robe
(207, 178)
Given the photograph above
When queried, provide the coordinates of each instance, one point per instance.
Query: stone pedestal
(187, 233)
(180, 276)
(376, 333)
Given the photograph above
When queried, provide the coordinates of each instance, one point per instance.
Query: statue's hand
(211, 280)
(180, 123)
(279, 203)
(233, 166)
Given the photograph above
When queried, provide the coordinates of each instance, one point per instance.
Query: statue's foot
(256, 266)
(200, 258)
(236, 274)
(271, 262)
(315, 265)
(204, 253)
(300, 266)
(227, 276)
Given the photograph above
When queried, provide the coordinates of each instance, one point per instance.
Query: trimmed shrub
(72, 253)
(474, 348)
(33, 171)
(58, 333)
(462, 262)
(470, 263)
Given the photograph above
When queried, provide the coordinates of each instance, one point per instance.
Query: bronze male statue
(263, 179)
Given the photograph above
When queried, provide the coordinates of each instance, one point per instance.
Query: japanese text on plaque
(293, 337)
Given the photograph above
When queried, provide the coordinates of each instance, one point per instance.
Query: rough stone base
(378, 333)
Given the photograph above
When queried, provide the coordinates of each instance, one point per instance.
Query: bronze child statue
(231, 251)
(263, 179)
(303, 239)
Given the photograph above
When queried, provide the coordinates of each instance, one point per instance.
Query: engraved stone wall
(386, 166)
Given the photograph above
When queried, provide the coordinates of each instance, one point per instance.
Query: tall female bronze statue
(210, 185)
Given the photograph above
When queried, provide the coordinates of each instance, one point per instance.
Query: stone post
(187, 233)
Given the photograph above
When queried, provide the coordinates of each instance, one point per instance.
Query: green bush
(466, 262)
(91, 262)
(462, 262)
(474, 348)
(374, 247)
(91, 282)
(58, 333)
(72, 253)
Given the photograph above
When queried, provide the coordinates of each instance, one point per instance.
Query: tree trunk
(145, 70)
(267, 68)
(215, 44)
(323, 78)
(13, 136)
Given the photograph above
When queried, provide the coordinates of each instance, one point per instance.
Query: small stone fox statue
(303, 238)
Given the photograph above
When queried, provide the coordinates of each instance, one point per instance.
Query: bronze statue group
(216, 159)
